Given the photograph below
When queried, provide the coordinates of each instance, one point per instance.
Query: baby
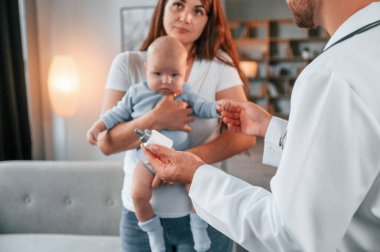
(166, 70)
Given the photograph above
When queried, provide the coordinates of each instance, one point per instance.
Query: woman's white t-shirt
(207, 77)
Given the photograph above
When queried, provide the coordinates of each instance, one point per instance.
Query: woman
(213, 72)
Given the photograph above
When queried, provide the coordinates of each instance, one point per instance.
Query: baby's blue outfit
(140, 99)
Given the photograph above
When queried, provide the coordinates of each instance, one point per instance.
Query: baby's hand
(221, 105)
(92, 135)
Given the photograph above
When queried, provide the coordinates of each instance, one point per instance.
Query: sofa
(60, 206)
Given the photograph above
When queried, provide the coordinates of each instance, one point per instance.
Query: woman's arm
(122, 136)
(227, 144)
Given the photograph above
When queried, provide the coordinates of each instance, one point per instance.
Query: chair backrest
(79, 197)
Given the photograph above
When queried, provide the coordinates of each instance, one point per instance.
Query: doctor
(326, 193)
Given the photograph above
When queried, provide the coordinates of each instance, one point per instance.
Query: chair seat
(58, 243)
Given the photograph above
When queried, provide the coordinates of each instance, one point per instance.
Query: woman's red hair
(215, 36)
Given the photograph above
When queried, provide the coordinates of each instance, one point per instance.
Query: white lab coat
(326, 193)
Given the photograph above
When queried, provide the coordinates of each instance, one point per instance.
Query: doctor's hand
(171, 165)
(245, 117)
(157, 181)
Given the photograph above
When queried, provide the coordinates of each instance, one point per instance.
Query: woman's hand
(172, 115)
(167, 114)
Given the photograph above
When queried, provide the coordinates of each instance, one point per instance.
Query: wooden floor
(250, 167)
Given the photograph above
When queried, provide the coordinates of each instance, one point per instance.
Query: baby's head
(166, 65)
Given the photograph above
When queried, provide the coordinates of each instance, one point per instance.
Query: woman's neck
(189, 48)
(190, 61)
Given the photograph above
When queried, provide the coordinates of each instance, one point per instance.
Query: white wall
(90, 31)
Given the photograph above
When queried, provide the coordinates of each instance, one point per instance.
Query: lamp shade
(250, 68)
(63, 85)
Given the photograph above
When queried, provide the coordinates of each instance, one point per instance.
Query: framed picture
(135, 23)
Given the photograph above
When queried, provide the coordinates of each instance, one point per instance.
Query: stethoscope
(367, 27)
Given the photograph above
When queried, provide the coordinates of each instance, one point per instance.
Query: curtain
(15, 139)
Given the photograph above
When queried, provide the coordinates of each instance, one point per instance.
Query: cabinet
(273, 53)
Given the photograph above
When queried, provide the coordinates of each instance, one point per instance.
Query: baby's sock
(199, 229)
(155, 233)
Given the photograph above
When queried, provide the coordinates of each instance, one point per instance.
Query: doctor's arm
(245, 213)
(251, 119)
(318, 186)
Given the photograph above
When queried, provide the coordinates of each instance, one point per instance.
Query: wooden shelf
(282, 78)
(247, 58)
(250, 41)
(281, 96)
(318, 38)
(306, 39)
(257, 78)
(282, 51)
(298, 58)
